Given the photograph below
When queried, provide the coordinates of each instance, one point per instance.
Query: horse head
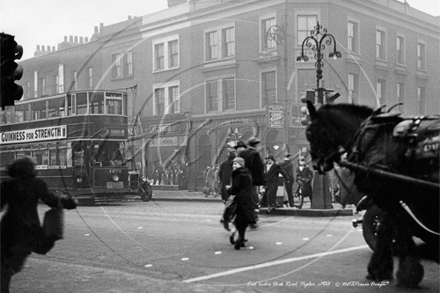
(331, 130)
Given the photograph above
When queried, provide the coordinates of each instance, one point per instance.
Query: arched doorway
(204, 153)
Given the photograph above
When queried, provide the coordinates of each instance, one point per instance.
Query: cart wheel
(370, 225)
(148, 194)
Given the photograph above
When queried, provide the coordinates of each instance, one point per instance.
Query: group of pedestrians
(244, 176)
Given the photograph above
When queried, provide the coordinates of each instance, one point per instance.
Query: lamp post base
(321, 198)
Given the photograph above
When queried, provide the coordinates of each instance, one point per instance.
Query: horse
(375, 149)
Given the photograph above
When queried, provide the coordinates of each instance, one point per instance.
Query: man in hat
(304, 176)
(287, 167)
(273, 171)
(240, 147)
(224, 173)
(255, 165)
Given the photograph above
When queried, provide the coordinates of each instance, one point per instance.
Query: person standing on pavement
(273, 171)
(287, 167)
(21, 231)
(304, 176)
(242, 189)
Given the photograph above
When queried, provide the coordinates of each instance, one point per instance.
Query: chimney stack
(86, 40)
(70, 39)
(38, 47)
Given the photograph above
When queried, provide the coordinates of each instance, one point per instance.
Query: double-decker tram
(77, 139)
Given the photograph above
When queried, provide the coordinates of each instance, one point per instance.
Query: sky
(46, 22)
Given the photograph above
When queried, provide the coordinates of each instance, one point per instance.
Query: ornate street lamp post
(317, 41)
(278, 34)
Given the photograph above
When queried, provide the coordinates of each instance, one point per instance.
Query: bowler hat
(240, 144)
(253, 141)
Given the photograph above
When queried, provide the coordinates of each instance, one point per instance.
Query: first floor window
(400, 96)
(173, 99)
(211, 94)
(421, 100)
(353, 88)
(229, 94)
(160, 101)
(381, 91)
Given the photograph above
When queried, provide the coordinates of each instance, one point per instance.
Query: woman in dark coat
(21, 231)
(273, 171)
(243, 191)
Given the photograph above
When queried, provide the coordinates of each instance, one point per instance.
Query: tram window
(70, 102)
(22, 154)
(39, 110)
(114, 106)
(81, 103)
(56, 107)
(62, 156)
(41, 157)
(97, 103)
(7, 158)
(22, 113)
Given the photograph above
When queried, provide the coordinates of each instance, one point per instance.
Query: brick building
(203, 73)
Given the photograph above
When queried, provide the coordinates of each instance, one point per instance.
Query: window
(400, 95)
(353, 37)
(43, 86)
(114, 106)
(56, 107)
(211, 50)
(306, 23)
(173, 99)
(380, 45)
(81, 103)
(159, 97)
(269, 87)
(353, 88)
(421, 56)
(166, 53)
(173, 51)
(60, 88)
(220, 43)
(400, 50)
(166, 98)
(228, 41)
(212, 95)
(75, 79)
(96, 103)
(89, 77)
(22, 113)
(39, 110)
(122, 64)
(228, 91)
(267, 44)
(421, 100)
(117, 67)
(381, 91)
(128, 64)
(35, 84)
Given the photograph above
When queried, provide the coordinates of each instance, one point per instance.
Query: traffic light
(331, 96)
(10, 71)
(309, 96)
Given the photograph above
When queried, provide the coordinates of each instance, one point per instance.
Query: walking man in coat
(273, 171)
(287, 167)
(304, 176)
(225, 172)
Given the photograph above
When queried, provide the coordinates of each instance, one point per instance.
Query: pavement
(170, 193)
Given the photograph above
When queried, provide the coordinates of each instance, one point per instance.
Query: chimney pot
(96, 30)
(86, 40)
(65, 38)
(76, 39)
(53, 48)
(101, 25)
(71, 39)
(81, 40)
(43, 48)
(38, 47)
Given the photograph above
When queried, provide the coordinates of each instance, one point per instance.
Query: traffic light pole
(321, 198)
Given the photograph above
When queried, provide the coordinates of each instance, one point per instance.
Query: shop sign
(35, 134)
(165, 128)
(275, 115)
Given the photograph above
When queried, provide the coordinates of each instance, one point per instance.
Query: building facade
(203, 74)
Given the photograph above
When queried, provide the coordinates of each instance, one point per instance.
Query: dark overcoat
(272, 182)
(254, 163)
(304, 178)
(20, 226)
(242, 188)
(225, 175)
